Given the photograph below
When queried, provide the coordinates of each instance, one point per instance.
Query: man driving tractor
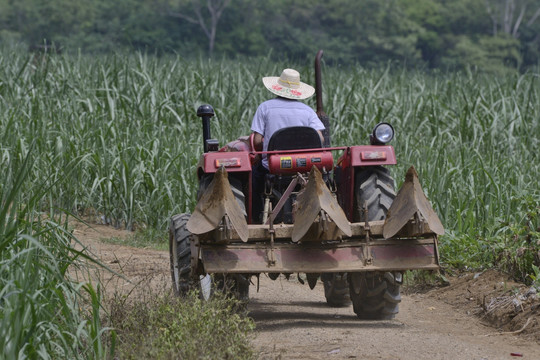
(281, 112)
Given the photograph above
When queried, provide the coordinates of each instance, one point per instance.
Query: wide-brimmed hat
(288, 85)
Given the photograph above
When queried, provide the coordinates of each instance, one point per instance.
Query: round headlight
(382, 134)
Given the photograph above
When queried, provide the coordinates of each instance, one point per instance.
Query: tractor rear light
(382, 134)
(233, 162)
(372, 155)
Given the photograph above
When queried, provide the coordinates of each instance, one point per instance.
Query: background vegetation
(418, 33)
(114, 135)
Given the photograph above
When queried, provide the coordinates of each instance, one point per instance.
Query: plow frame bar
(365, 250)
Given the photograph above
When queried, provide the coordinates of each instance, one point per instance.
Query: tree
(508, 15)
(214, 8)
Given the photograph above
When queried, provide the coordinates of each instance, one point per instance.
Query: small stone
(532, 291)
(517, 304)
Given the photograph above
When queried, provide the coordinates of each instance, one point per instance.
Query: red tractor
(339, 221)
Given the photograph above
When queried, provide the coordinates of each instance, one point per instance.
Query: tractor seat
(294, 138)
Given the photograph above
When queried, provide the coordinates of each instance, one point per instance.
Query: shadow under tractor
(337, 221)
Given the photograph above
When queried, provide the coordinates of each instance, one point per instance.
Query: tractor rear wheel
(336, 289)
(374, 190)
(374, 295)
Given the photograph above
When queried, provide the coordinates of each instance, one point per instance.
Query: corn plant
(42, 311)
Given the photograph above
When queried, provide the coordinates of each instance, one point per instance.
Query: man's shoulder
(285, 103)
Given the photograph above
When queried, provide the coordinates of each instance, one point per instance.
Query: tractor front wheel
(180, 253)
(336, 289)
(375, 296)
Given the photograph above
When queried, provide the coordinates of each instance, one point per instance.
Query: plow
(339, 223)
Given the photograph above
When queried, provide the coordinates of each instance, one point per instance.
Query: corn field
(116, 137)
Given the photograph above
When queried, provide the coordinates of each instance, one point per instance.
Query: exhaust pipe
(318, 94)
(206, 112)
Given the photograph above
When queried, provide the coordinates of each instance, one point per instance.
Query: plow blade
(310, 202)
(216, 207)
(411, 202)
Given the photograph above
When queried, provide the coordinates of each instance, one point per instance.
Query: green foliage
(489, 53)
(512, 247)
(43, 313)
(517, 248)
(431, 33)
(118, 135)
(167, 327)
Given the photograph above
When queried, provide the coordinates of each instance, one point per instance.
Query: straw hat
(288, 85)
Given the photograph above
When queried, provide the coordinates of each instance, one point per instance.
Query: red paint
(300, 162)
(239, 161)
(369, 155)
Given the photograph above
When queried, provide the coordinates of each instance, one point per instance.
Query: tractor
(339, 222)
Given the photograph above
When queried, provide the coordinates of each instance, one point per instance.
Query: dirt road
(294, 322)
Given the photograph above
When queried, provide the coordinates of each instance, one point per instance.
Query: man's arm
(321, 136)
(257, 141)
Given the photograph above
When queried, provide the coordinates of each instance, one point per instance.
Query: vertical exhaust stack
(318, 92)
(206, 112)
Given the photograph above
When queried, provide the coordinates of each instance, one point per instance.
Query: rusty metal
(387, 255)
(270, 251)
(216, 207)
(195, 257)
(266, 211)
(283, 232)
(318, 95)
(282, 200)
(314, 198)
(411, 203)
(367, 230)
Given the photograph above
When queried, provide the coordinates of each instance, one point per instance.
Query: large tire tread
(336, 289)
(379, 295)
(375, 186)
(180, 254)
(378, 298)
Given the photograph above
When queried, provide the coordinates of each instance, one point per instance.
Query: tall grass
(43, 314)
(473, 138)
(125, 128)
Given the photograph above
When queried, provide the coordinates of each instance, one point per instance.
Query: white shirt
(279, 113)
